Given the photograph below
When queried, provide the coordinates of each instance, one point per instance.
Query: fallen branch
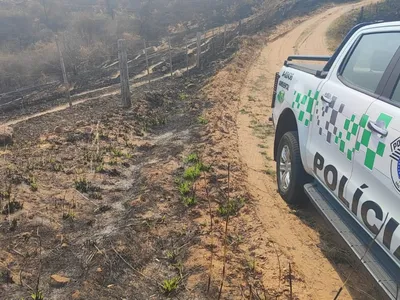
(134, 269)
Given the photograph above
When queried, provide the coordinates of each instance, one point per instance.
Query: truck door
(376, 172)
(340, 111)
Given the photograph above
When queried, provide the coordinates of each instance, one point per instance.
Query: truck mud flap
(377, 261)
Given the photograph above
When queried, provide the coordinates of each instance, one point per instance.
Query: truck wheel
(291, 176)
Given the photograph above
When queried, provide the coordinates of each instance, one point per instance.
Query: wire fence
(176, 55)
(171, 56)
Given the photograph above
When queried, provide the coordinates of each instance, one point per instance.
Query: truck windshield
(370, 59)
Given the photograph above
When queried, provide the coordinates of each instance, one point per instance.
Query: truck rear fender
(286, 122)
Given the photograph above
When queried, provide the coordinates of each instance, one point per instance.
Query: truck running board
(378, 263)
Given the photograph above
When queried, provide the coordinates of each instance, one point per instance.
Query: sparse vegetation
(70, 215)
(270, 172)
(171, 255)
(100, 168)
(192, 172)
(96, 195)
(33, 183)
(84, 186)
(230, 207)
(251, 264)
(55, 166)
(189, 201)
(170, 285)
(183, 96)
(117, 152)
(11, 207)
(252, 98)
(184, 188)
(202, 120)
(38, 295)
(192, 158)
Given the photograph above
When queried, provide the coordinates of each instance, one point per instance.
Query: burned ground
(119, 201)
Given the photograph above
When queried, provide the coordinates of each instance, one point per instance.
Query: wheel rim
(285, 169)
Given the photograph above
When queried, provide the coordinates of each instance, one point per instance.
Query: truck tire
(290, 173)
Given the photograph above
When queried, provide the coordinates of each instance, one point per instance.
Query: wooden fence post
(198, 49)
(187, 54)
(224, 36)
(64, 73)
(147, 60)
(124, 74)
(213, 41)
(361, 17)
(170, 55)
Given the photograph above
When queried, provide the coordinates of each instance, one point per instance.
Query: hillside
(387, 10)
(88, 30)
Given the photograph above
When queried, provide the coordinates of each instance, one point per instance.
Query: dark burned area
(139, 217)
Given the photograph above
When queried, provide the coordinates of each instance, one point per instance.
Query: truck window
(396, 94)
(369, 60)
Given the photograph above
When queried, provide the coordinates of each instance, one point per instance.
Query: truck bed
(312, 69)
(318, 70)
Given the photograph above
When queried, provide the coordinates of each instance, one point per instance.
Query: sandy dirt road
(297, 235)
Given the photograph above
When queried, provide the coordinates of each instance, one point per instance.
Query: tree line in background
(88, 31)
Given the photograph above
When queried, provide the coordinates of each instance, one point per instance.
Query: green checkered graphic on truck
(304, 105)
(363, 142)
(351, 135)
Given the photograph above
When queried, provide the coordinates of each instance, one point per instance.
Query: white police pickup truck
(337, 142)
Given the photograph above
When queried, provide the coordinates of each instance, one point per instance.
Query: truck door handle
(323, 98)
(375, 127)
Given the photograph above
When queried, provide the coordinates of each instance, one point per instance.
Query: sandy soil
(292, 232)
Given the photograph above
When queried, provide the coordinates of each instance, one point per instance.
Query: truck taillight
(277, 76)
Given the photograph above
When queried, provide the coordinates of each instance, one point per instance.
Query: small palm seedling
(96, 195)
(202, 120)
(172, 256)
(251, 264)
(33, 184)
(183, 96)
(113, 161)
(55, 166)
(100, 168)
(189, 201)
(38, 295)
(82, 185)
(70, 215)
(192, 158)
(184, 188)
(193, 172)
(170, 285)
(117, 153)
(231, 207)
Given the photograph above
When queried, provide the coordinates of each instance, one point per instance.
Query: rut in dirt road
(294, 233)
